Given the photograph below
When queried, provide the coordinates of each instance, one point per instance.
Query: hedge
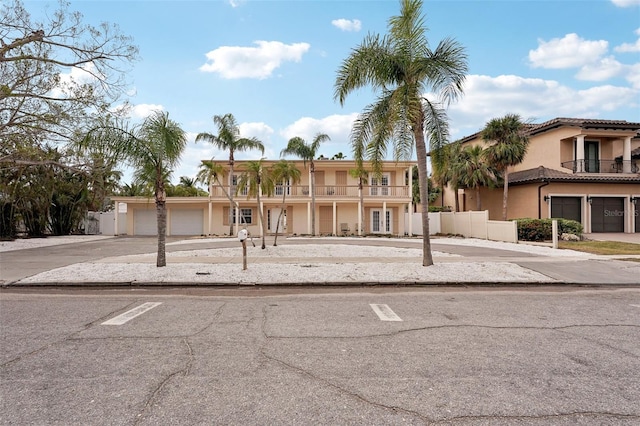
(541, 230)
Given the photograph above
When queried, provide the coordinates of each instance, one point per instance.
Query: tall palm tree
(509, 146)
(284, 173)
(257, 181)
(153, 149)
(403, 68)
(307, 152)
(362, 175)
(228, 139)
(475, 171)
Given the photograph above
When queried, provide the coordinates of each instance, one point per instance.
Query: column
(335, 218)
(626, 155)
(359, 217)
(384, 217)
(309, 218)
(210, 217)
(580, 154)
(117, 207)
(410, 208)
(410, 230)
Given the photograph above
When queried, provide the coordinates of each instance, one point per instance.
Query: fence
(468, 224)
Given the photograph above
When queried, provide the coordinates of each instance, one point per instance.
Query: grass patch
(601, 247)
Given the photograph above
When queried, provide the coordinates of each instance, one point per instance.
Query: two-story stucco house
(337, 203)
(581, 169)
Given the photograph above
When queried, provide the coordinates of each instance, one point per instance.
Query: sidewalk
(130, 261)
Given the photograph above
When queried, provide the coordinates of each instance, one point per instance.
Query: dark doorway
(567, 208)
(607, 214)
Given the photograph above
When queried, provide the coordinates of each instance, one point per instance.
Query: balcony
(600, 166)
(327, 192)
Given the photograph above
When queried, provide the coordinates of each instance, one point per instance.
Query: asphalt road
(462, 357)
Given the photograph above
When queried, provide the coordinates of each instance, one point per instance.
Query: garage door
(187, 222)
(145, 222)
(607, 214)
(567, 208)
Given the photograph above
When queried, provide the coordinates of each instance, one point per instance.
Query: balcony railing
(600, 166)
(327, 191)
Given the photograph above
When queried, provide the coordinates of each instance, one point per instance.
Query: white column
(410, 208)
(384, 217)
(309, 218)
(210, 221)
(580, 154)
(335, 218)
(168, 231)
(237, 224)
(360, 218)
(626, 155)
(117, 207)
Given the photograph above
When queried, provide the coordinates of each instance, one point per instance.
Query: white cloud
(567, 52)
(347, 24)
(259, 62)
(634, 76)
(145, 110)
(337, 127)
(626, 3)
(602, 70)
(488, 97)
(630, 47)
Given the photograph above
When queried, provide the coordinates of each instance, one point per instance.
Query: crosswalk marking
(384, 312)
(129, 315)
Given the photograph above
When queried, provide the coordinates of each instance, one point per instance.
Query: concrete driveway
(614, 236)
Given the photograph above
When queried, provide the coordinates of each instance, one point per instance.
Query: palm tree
(152, 149)
(228, 139)
(284, 173)
(403, 67)
(510, 142)
(475, 171)
(257, 181)
(307, 152)
(446, 170)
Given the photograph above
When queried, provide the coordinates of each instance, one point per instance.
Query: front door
(591, 157)
(378, 225)
(273, 220)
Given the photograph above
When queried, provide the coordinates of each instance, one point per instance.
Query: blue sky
(272, 64)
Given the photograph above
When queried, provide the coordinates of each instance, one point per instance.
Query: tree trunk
(361, 194)
(478, 204)
(284, 197)
(457, 198)
(231, 203)
(313, 198)
(161, 213)
(261, 218)
(505, 194)
(421, 151)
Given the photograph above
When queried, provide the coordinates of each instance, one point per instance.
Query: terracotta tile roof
(584, 123)
(542, 173)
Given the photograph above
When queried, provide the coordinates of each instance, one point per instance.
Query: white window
(283, 186)
(244, 190)
(380, 186)
(245, 216)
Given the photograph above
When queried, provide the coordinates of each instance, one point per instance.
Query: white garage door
(145, 222)
(187, 222)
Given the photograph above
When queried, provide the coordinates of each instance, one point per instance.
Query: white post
(554, 232)
(308, 218)
(359, 218)
(210, 217)
(384, 217)
(117, 207)
(410, 207)
(580, 154)
(626, 155)
(335, 218)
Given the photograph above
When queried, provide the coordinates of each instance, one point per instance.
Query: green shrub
(541, 229)
(437, 209)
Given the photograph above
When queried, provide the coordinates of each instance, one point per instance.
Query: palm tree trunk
(505, 194)
(284, 197)
(457, 198)
(478, 204)
(361, 194)
(313, 198)
(161, 213)
(261, 218)
(231, 203)
(421, 151)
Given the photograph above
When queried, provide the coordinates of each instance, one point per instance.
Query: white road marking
(384, 312)
(129, 315)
